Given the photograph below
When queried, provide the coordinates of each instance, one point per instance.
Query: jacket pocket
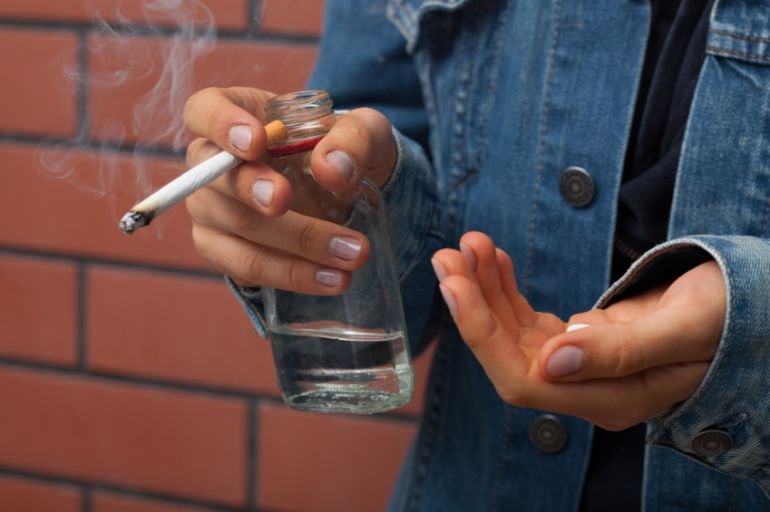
(740, 30)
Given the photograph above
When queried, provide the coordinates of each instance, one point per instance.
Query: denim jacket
(492, 100)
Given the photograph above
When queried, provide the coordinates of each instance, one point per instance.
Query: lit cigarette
(197, 177)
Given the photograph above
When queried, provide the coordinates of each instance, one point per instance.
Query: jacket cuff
(251, 300)
(410, 201)
(725, 424)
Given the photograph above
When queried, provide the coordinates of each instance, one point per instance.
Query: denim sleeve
(411, 204)
(362, 61)
(734, 396)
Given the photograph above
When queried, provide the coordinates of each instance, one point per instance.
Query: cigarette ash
(132, 221)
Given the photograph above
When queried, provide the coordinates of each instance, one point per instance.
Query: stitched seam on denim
(743, 37)
(501, 36)
(736, 53)
(458, 135)
(541, 148)
(424, 75)
(501, 462)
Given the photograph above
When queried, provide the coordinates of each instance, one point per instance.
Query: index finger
(230, 117)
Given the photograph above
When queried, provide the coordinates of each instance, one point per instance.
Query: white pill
(575, 327)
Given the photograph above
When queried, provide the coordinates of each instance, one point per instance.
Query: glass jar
(348, 352)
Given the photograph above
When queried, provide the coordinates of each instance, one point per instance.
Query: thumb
(618, 349)
(230, 118)
(359, 145)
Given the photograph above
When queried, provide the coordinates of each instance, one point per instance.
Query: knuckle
(308, 238)
(513, 395)
(193, 205)
(192, 105)
(199, 97)
(622, 361)
(612, 424)
(616, 419)
(254, 267)
(586, 317)
(199, 242)
(295, 276)
(245, 220)
(626, 421)
(193, 154)
(373, 119)
(473, 342)
(629, 357)
(359, 136)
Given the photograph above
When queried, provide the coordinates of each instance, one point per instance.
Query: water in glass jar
(343, 369)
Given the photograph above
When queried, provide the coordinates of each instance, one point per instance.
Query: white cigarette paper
(172, 193)
(196, 178)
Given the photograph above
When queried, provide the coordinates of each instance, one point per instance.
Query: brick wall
(130, 380)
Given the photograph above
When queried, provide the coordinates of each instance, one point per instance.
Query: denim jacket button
(547, 433)
(710, 443)
(576, 186)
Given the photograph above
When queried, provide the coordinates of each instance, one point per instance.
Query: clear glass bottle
(349, 352)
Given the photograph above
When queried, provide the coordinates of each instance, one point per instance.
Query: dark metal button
(547, 433)
(711, 442)
(576, 186)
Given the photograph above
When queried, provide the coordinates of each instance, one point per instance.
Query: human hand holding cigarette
(143, 212)
(242, 223)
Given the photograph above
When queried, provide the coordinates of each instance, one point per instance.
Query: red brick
(301, 17)
(31, 290)
(158, 100)
(71, 202)
(327, 462)
(102, 501)
(37, 92)
(18, 494)
(228, 14)
(174, 328)
(174, 443)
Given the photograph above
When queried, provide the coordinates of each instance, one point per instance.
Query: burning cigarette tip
(190, 181)
(133, 221)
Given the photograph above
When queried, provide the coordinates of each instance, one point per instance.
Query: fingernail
(240, 136)
(262, 190)
(449, 298)
(566, 360)
(439, 269)
(345, 247)
(342, 163)
(329, 277)
(469, 255)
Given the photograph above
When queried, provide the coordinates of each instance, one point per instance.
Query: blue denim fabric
(492, 101)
